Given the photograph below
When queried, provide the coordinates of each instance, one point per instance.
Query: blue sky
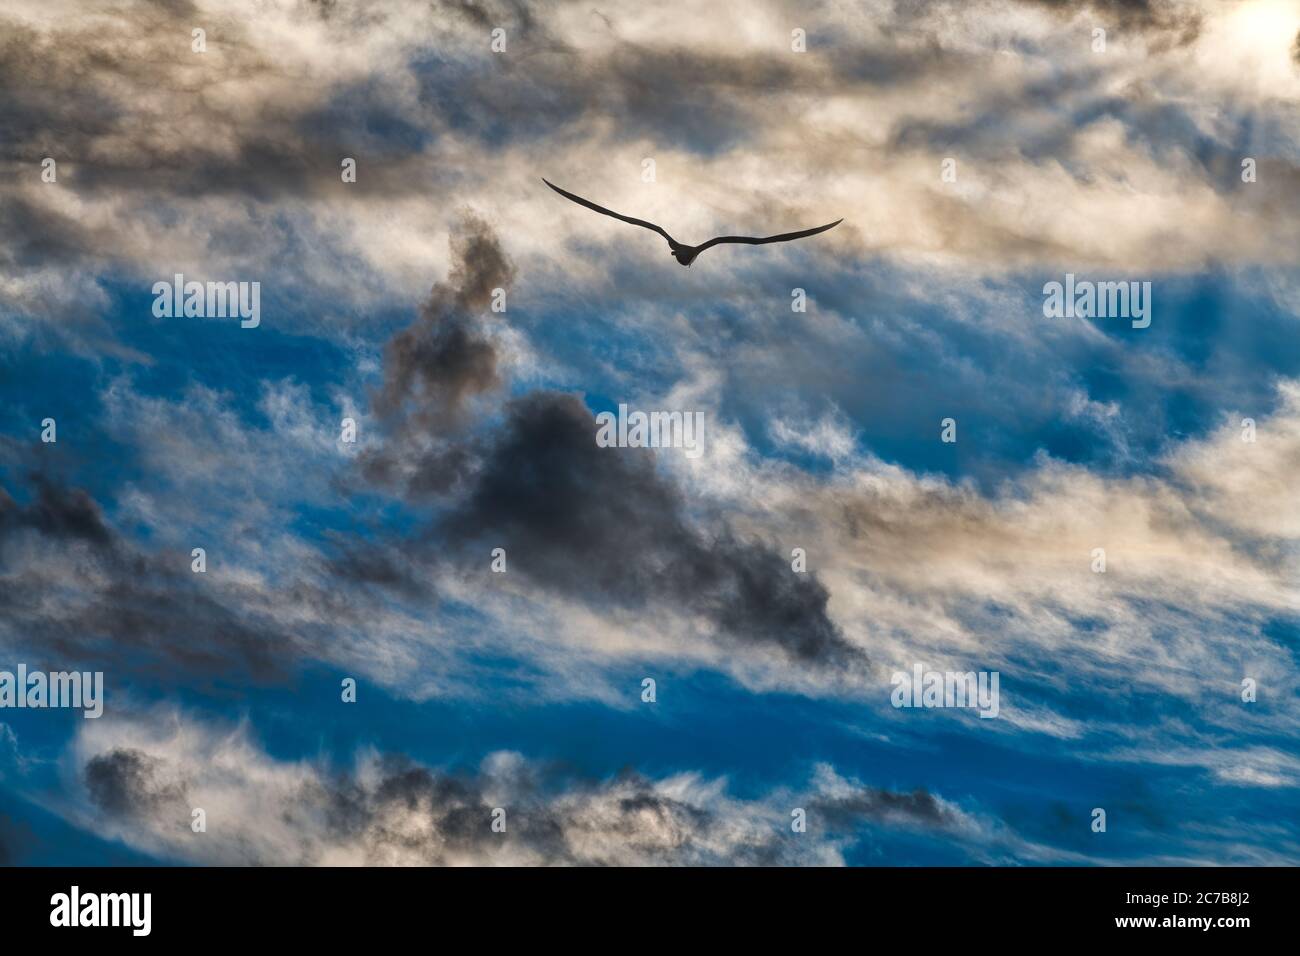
(329, 560)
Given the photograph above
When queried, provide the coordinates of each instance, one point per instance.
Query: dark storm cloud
(55, 512)
(402, 812)
(127, 110)
(435, 368)
(498, 99)
(130, 112)
(75, 94)
(117, 102)
(599, 525)
(441, 364)
(72, 589)
(35, 236)
(603, 525)
(437, 364)
(873, 804)
(455, 809)
(125, 783)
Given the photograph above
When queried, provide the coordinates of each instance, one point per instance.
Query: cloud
(436, 366)
(126, 783)
(1198, 593)
(1066, 158)
(1178, 22)
(56, 513)
(604, 525)
(74, 591)
(600, 525)
(143, 776)
(374, 557)
(441, 360)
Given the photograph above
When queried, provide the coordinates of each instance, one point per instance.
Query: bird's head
(684, 255)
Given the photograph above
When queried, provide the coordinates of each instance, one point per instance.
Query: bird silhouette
(680, 251)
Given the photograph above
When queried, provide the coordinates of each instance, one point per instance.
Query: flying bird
(680, 251)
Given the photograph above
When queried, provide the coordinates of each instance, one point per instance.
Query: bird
(683, 253)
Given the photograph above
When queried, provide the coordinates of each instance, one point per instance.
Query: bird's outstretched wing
(758, 241)
(609, 212)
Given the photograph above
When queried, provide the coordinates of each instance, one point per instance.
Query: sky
(431, 601)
